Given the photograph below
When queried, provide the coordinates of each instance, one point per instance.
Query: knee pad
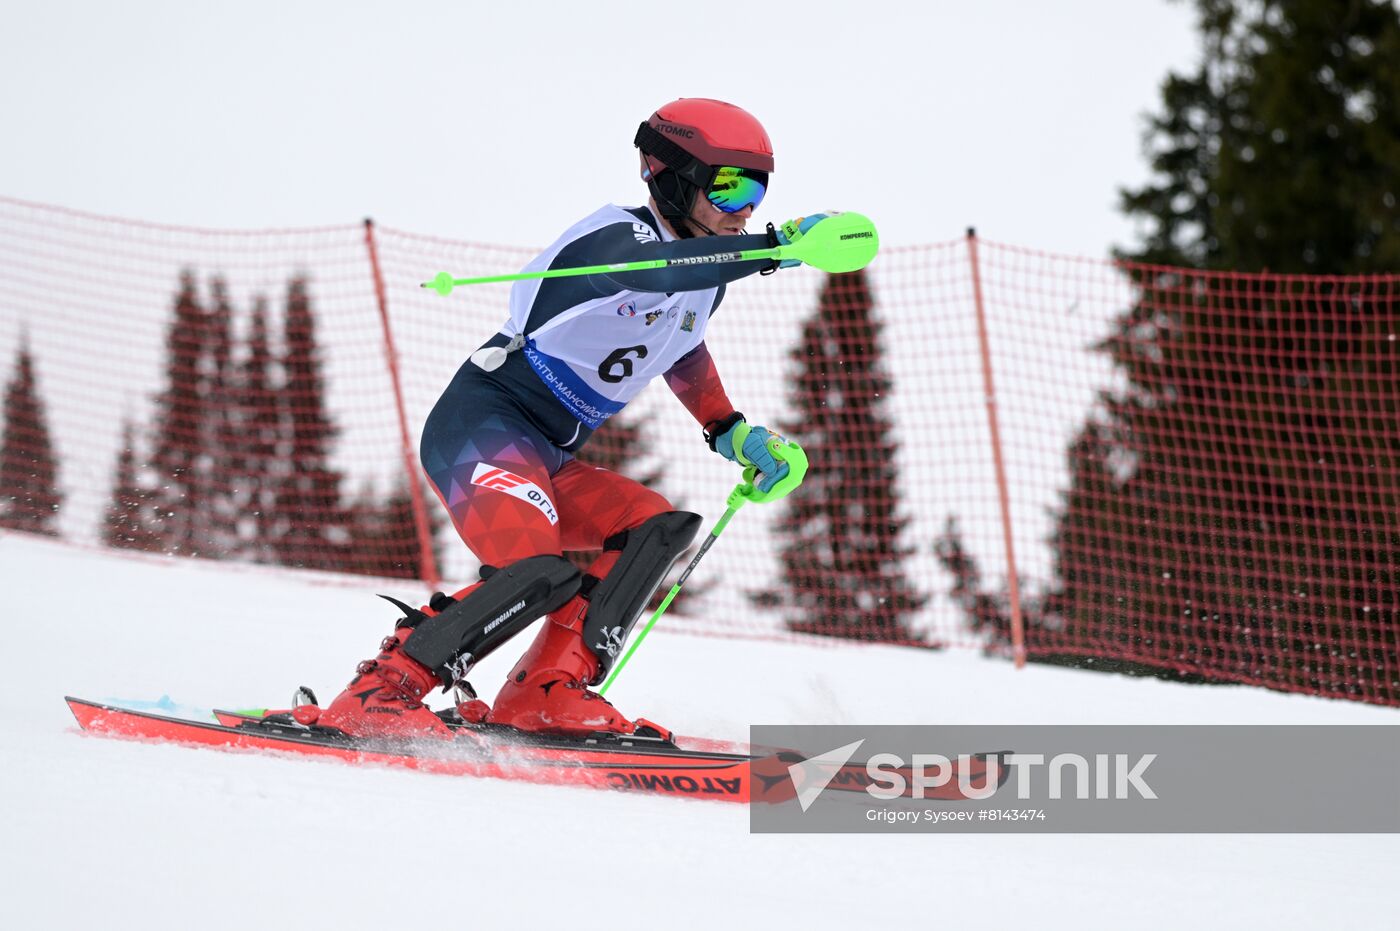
(509, 600)
(646, 553)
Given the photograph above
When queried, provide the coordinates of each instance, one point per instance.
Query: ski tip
(235, 718)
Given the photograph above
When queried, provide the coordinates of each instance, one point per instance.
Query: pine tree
(1280, 151)
(29, 495)
(127, 521)
(176, 499)
(218, 432)
(384, 535)
(988, 612)
(1230, 512)
(312, 523)
(259, 435)
(842, 562)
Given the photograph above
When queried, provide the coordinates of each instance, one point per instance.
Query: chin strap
(682, 223)
(680, 220)
(708, 231)
(687, 174)
(676, 218)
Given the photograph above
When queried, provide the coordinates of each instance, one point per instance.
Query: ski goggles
(733, 189)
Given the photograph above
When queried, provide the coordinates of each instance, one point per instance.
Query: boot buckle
(402, 682)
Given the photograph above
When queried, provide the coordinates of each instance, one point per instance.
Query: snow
(100, 832)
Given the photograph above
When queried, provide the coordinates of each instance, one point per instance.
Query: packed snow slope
(105, 833)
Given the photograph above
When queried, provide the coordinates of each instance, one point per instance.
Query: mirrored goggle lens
(736, 188)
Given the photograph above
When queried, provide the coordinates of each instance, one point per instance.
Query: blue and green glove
(793, 230)
(736, 441)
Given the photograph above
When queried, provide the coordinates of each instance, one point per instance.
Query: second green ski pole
(784, 450)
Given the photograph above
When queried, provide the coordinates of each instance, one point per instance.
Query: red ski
(606, 761)
(688, 767)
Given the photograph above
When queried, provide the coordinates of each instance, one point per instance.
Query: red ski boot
(547, 691)
(385, 699)
(438, 644)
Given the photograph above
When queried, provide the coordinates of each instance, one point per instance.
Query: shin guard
(646, 553)
(453, 640)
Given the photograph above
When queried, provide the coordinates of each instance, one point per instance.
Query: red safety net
(1204, 470)
(208, 393)
(1191, 472)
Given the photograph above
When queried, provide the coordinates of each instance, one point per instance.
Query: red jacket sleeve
(695, 381)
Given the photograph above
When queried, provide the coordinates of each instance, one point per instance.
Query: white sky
(505, 122)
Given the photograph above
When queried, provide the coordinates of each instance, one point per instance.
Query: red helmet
(688, 140)
(711, 131)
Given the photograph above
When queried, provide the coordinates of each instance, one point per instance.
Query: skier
(498, 446)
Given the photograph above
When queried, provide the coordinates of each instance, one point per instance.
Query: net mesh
(1200, 469)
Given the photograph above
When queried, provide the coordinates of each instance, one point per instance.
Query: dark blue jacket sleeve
(618, 243)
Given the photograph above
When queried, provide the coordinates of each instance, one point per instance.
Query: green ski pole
(784, 450)
(844, 242)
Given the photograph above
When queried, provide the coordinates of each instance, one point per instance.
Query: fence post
(415, 484)
(1018, 633)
